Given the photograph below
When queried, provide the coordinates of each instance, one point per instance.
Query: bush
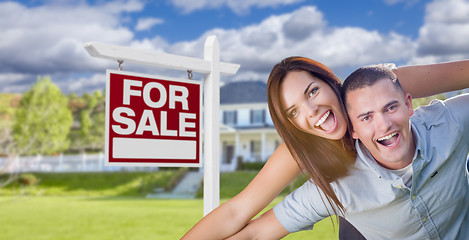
(94, 183)
(251, 166)
(27, 179)
(180, 173)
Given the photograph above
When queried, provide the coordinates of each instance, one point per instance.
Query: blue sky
(46, 37)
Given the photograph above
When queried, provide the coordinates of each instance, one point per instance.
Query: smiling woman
(313, 112)
(301, 92)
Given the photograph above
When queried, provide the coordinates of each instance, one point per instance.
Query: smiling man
(408, 181)
(380, 116)
(420, 160)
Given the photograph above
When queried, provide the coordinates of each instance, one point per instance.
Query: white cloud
(123, 6)
(49, 39)
(14, 82)
(147, 23)
(303, 22)
(237, 6)
(447, 11)
(155, 44)
(444, 35)
(55, 34)
(78, 85)
(259, 46)
(406, 2)
(392, 2)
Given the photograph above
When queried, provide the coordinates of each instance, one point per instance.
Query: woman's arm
(428, 80)
(264, 227)
(234, 214)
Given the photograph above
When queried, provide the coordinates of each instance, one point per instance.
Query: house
(247, 131)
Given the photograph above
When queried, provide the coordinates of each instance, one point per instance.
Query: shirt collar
(364, 154)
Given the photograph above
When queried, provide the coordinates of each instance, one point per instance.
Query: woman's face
(312, 106)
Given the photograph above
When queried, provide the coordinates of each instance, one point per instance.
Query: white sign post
(211, 67)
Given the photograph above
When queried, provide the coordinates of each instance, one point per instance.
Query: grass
(231, 183)
(95, 184)
(89, 218)
(112, 206)
(95, 218)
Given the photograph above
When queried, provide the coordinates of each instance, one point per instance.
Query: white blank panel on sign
(153, 148)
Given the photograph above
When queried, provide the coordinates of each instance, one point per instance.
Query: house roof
(243, 92)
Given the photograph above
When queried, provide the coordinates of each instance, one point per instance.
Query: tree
(426, 100)
(42, 120)
(88, 110)
(8, 104)
(97, 117)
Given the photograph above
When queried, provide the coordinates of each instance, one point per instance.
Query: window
(258, 116)
(229, 117)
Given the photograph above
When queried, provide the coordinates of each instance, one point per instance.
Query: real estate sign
(152, 120)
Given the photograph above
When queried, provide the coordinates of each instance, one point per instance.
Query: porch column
(237, 146)
(263, 155)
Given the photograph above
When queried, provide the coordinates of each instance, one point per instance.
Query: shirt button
(399, 186)
(413, 197)
(424, 219)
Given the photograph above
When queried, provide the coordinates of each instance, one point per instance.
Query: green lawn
(128, 184)
(112, 206)
(86, 218)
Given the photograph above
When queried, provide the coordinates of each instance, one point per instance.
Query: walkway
(186, 188)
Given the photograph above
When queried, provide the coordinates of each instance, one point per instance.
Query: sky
(47, 37)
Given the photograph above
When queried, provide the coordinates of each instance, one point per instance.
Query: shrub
(181, 172)
(93, 183)
(27, 179)
(251, 166)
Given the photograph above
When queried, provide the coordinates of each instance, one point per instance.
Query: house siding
(249, 140)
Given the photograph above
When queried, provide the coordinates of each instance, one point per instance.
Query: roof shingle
(243, 92)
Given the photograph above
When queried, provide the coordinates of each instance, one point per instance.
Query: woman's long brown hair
(323, 160)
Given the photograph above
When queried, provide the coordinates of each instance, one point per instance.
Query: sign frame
(212, 68)
(157, 162)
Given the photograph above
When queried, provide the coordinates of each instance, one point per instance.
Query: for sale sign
(152, 121)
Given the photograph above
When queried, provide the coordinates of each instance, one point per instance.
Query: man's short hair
(367, 76)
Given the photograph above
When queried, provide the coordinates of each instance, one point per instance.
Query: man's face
(380, 115)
